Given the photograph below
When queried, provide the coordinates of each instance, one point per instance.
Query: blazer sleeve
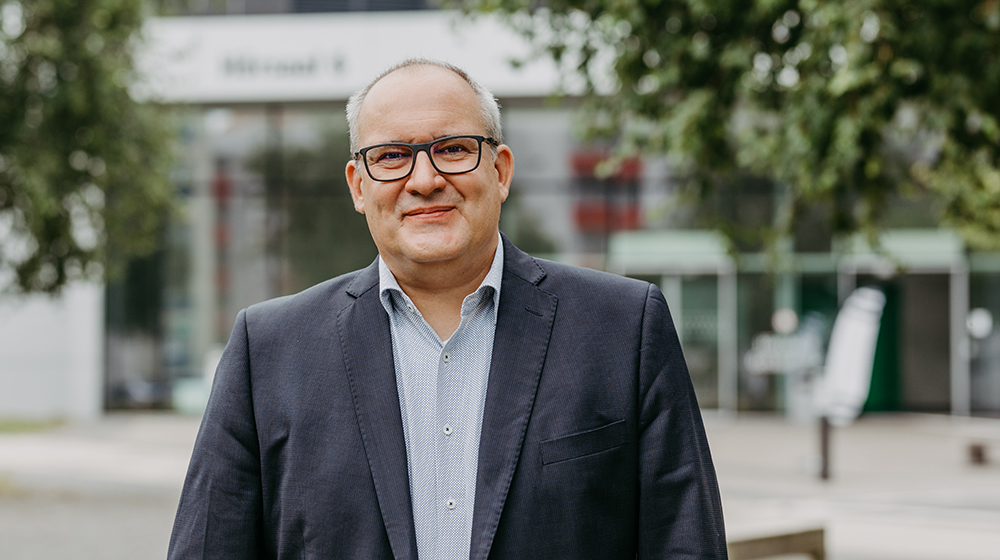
(219, 516)
(680, 511)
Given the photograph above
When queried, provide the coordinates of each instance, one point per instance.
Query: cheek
(379, 201)
(381, 215)
(495, 201)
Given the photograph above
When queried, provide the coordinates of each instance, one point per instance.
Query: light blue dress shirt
(442, 392)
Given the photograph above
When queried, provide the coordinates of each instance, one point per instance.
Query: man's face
(428, 217)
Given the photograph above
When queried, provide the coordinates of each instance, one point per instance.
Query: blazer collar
(521, 264)
(521, 342)
(366, 279)
(363, 328)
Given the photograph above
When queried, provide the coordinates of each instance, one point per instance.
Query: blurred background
(197, 154)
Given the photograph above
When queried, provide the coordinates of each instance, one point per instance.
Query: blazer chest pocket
(584, 443)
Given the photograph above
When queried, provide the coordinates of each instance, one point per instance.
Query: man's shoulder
(325, 299)
(594, 303)
(562, 277)
(557, 277)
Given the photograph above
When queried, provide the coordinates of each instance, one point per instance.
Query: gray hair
(488, 103)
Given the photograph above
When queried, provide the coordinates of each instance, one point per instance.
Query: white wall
(52, 354)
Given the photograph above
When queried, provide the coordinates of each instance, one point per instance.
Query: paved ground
(96, 491)
(902, 487)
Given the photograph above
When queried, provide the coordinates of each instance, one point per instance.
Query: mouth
(429, 212)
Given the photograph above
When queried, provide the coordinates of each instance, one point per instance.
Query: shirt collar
(387, 283)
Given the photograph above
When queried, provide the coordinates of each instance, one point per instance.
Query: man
(457, 398)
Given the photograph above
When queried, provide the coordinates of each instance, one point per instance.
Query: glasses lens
(389, 162)
(456, 155)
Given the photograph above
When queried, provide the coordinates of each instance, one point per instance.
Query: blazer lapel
(363, 328)
(524, 325)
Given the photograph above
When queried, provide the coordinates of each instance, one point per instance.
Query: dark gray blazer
(592, 442)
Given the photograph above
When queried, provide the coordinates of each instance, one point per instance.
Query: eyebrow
(485, 135)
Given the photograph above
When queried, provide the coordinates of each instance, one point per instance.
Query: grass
(15, 426)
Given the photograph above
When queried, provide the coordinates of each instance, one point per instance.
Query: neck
(438, 289)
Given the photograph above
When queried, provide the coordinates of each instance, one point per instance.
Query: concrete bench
(804, 541)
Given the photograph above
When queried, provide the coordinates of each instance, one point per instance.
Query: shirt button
(410, 307)
(447, 429)
(450, 503)
(446, 357)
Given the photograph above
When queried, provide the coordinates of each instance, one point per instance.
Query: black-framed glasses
(452, 155)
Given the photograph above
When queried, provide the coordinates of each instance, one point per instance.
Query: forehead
(419, 103)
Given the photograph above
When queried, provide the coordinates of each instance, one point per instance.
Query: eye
(455, 148)
(451, 149)
(389, 155)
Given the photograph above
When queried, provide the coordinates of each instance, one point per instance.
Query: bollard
(824, 448)
(977, 454)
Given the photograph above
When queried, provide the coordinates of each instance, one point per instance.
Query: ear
(354, 176)
(504, 165)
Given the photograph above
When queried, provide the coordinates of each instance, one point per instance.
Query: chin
(431, 250)
(432, 256)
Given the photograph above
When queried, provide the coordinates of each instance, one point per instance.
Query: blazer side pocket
(584, 443)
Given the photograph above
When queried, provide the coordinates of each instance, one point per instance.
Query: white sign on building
(325, 57)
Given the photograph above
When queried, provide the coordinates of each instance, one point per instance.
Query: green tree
(83, 167)
(848, 104)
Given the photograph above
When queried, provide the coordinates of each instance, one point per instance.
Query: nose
(424, 179)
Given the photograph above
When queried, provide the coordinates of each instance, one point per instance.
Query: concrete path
(105, 490)
(902, 486)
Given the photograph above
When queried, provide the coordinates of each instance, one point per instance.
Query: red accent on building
(584, 163)
(610, 203)
(597, 216)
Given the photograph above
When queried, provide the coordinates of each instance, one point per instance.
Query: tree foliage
(83, 166)
(847, 103)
